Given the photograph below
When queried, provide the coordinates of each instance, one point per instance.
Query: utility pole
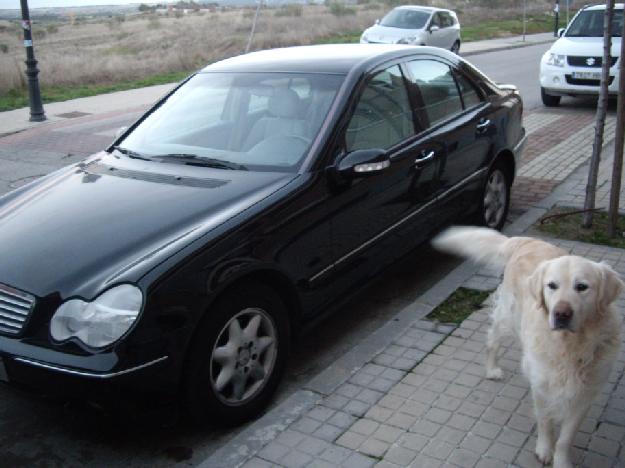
(556, 10)
(524, 19)
(34, 95)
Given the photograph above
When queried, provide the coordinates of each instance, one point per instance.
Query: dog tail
(483, 245)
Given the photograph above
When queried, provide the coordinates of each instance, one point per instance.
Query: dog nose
(562, 313)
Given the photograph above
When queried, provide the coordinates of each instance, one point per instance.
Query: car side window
(447, 20)
(382, 117)
(438, 89)
(470, 95)
(436, 20)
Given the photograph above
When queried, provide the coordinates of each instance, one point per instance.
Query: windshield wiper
(195, 160)
(130, 153)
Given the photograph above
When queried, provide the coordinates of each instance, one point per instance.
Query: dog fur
(559, 306)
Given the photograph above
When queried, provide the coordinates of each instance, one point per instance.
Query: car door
(436, 34)
(449, 32)
(375, 218)
(458, 115)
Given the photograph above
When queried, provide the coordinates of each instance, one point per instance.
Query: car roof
(326, 58)
(617, 6)
(419, 7)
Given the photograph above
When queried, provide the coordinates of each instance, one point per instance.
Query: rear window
(406, 19)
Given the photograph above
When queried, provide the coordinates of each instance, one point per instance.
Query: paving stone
(374, 448)
(438, 449)
(356, 408)
(426, 428)
(290, 438)
(414, 442)
(295, 459)
(486, 429)
(274, 452)
(399, 455)
(527, 459)
(438, 415)
(520, 423)
(610, 431)
(402, 420)
(356, 460)
(424, 461)
(512, 437)
(257, 463)
(351, 440)
(496, 416)
(317, 463)
(312, 446)
(328, 432)
(602, 446)
(387, 433)
(379, 414)
(463, 457)
(365, 427)
(451, 435)
(475, 443)
(320, 413)
(306, 425)
(342, 420)
(462, 422)
(502, 452)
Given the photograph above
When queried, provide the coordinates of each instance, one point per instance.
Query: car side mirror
(433, 28)
(561, 32)
(377, 21)
(361, 163)
(120, 131)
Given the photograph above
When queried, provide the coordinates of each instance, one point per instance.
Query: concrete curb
(248, 442)
(509, 47)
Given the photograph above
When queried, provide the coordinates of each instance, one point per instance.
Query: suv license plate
(3, 372)
(587, 75)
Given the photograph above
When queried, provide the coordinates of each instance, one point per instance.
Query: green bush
(292, 9)
(340, 9)
(4, 48)
(52, 28)
(372, 6)
(154, 23)
(39, 34)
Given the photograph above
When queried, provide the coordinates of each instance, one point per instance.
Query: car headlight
(100, 322)
(407, 40)
(556, 60)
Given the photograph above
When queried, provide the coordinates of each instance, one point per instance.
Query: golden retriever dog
(559, 306)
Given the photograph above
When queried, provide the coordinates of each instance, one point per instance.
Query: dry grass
(113, 51)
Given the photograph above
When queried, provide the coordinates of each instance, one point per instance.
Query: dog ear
(610, 287)
(535, 283)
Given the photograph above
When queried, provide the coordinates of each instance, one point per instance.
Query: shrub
(292, 9)
(4, 48)
(340, 9)
(154, 23)
(39, 34)
(372, 6)
(52, 28)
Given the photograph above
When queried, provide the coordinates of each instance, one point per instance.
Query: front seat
(283, 108)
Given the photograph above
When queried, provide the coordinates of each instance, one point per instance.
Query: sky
(15, 4)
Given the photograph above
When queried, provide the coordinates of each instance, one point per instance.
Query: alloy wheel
(495, 199)
(243, 357)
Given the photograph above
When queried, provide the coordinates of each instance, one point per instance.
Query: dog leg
(570, 425)
(493, 371)
(545, 441)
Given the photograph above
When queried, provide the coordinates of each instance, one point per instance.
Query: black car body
(313, 233)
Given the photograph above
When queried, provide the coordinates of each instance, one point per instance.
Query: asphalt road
(38, 431)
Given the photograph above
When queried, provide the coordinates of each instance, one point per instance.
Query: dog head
(572, 290)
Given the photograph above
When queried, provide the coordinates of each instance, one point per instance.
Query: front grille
(595, 62)
(15, 307)
(577, 81)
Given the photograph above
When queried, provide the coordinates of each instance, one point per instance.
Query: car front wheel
(495, 199)
(548, 99)
(237, 357)
(455, 48)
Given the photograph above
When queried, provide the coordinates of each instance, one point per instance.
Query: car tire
(548, 99)
(495, 197)
(237, 356)
(455, 48)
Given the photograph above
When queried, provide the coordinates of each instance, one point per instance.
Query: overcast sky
(15, 4)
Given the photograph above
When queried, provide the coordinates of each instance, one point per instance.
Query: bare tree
(602, 108)
(617, 168)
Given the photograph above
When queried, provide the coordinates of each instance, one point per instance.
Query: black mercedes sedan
(246, 204)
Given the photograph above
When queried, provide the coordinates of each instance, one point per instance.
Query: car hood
(76, 231)
(379, 33)
(584, 46)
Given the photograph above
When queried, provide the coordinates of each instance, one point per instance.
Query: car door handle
(424, 157)
(483, 125)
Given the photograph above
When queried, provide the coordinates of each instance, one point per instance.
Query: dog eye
(581, 287)
(552, 285)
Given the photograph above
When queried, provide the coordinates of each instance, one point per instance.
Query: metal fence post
(37, 113)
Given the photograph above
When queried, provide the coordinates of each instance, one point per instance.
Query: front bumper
(559, 81)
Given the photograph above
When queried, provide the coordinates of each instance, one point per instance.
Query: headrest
(284, 103)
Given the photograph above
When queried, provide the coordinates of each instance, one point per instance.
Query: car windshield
(253, 121)
(589, 23)
(406, 19)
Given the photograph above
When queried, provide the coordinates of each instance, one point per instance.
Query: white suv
(416, 25)
(573, 64)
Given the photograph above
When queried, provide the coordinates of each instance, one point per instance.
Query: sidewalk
(414, 393)
(17, 120)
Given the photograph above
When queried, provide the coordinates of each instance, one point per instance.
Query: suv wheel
(238, 356)
(548, 99)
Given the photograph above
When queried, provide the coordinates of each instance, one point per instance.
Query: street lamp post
(34, 95)
(556, 10)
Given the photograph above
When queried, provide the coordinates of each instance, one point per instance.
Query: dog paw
(494, 374)
(544, 452)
